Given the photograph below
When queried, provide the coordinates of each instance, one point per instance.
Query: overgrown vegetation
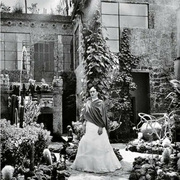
(122, 84)
(18, 8)
(16, 143)
(98, 59)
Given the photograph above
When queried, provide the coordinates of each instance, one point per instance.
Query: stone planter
(177, 68)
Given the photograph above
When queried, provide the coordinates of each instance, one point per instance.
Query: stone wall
(156, 46)
(54, 28)
(43, 28)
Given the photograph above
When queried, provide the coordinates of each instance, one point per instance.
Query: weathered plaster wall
(158, 48)
(42, 28)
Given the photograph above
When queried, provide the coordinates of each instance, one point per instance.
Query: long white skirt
(95, 153)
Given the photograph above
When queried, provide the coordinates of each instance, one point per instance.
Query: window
(15, 51)
(67, 64)
(133, 15)
(44, 60)
(116, 15)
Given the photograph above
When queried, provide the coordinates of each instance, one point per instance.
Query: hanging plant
(97, 57)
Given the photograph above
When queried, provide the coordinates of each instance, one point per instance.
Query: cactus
(47, 156)
(7, 172)
(166, 155)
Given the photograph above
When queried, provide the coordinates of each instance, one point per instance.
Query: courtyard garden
(41, 122)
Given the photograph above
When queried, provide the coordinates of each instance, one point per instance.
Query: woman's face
(93, 92)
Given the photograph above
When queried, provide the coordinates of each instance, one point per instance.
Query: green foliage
(18, 8)
(16, 142)
(4, 8)
(122, 84)
(97, 57)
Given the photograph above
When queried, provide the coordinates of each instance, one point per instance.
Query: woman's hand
(100, 130)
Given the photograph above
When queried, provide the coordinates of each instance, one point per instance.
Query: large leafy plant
(122, 84)
(16, 143)
(98, 59)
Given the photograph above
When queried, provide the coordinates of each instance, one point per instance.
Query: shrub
(17, 142)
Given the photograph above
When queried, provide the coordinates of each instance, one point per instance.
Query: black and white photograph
(90, 89)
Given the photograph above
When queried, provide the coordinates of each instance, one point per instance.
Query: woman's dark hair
(89, 86)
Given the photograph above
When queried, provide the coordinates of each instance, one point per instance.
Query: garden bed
(154, 168)
(141, 146)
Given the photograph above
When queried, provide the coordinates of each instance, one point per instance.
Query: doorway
(141, 96)
(47, 120)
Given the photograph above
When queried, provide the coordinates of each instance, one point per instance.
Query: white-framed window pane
(10, 56)
(2, 36)
(10, 46)
(2, 45)
(110, 20)
(133, 9)
(109, 8)
(113, 45)
(2, 64)
(10, 65)
(111, 33)
(133, 22)
(10, 37)
(2, 55)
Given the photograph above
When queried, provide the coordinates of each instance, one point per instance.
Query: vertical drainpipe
(26, 6)
(67, 8)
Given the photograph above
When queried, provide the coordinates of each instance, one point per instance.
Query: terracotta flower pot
(177, 68)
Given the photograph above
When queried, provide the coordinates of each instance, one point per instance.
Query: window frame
(118, 15)
(18, 53)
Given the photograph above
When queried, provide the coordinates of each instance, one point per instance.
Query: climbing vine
(98, 59)
(122, 84)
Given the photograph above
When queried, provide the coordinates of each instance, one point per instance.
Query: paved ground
(123, 174)
(128, 158)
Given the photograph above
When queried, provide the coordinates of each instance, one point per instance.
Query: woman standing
(95, 153)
